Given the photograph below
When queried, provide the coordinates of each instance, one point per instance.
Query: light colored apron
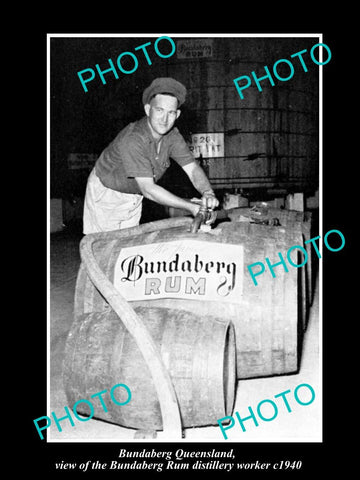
(106, 209)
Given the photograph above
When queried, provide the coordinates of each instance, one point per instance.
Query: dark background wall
(270, 137)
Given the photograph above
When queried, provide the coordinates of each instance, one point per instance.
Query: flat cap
(165, 85)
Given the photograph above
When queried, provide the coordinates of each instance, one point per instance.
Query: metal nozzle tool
(205, 216)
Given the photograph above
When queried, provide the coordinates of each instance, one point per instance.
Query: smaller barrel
(199, 354)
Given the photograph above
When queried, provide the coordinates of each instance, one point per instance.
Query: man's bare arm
(160, 195)
(200, 181)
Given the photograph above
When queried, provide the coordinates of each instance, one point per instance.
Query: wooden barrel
(266, 317)
(289, 219)
(198, 352)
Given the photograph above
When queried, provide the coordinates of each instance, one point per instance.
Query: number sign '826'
(209, 145)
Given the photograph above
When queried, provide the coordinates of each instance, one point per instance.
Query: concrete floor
(302, 424)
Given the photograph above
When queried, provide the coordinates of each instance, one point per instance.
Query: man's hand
(209, 199)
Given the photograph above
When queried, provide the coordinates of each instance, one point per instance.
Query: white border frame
(183, 35)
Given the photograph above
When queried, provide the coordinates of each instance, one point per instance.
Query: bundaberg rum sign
(187, 269)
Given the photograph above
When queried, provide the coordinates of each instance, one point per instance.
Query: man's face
(162, 113)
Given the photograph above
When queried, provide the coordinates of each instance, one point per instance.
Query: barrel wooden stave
(293, 220)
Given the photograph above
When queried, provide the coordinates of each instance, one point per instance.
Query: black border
(339, 157)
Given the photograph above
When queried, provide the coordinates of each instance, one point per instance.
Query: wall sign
(187, 269)
(194, 48)
(78, 161)
(209, 145)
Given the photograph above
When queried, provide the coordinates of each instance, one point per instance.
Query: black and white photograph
(186, 243)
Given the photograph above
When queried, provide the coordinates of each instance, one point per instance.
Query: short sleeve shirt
(133, 154)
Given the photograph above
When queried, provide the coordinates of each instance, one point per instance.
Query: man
(128, 169)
